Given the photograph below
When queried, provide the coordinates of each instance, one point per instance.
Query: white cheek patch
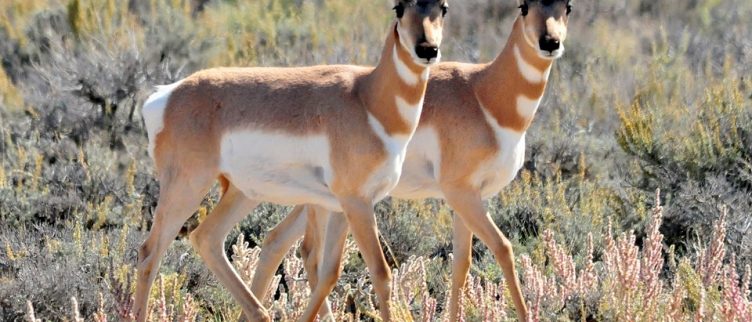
(526, 107)
(525, 34)
(153, 112)
(410, 113)
(403, 40)
(529, 72)
(402, 70)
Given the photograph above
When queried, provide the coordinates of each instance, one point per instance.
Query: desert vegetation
(649, 95)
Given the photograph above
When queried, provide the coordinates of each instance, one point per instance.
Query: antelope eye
(569, 8)
(444, 10)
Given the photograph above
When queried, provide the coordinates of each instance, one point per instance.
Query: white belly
(279, 168)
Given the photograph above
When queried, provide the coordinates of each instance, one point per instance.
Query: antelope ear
(523, 9)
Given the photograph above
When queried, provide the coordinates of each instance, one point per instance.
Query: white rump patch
(529, 72)
(153, 112)
(402, 70)
(526, 107)
(279, 168)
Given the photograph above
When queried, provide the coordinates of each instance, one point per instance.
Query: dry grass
(649, 95)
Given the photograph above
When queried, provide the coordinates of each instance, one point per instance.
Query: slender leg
(276, 244)
(462, 242)
(312, 250)
(334, 245)
(469, 206)
(208, 239)
(177, 202)
(362, 222)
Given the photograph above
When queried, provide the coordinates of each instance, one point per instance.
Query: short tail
(153, 112)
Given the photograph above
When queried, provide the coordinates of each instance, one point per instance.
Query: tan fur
(333, 101)
(213, 102)
(458, 92)
(456, 98)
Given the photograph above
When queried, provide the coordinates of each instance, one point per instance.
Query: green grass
(648, 95)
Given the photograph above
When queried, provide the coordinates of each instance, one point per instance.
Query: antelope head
(420, 24)
(545, 25)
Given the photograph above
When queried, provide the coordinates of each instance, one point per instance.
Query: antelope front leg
(362, 222)
(208, 239)
(462, 243)
(324, 263)
(317, 239)
(468, 204)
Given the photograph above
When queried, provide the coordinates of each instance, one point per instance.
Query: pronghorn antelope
(333, 136)
(470, 143)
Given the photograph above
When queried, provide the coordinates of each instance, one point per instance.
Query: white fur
(529, 72)
(547, 73)
(394, 144)
(422, 167)
(153, 112)
(526, 107)
(388, 174)
(279, 168)
(427, 72)
(530, 43)
(496, 173)
(402, 70)
(410, 113)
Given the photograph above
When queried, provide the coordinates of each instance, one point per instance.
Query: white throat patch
(528, 71)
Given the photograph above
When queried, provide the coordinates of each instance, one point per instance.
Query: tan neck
(381, 88)
(517, 75)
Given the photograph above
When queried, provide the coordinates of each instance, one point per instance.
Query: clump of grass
(628, 110)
